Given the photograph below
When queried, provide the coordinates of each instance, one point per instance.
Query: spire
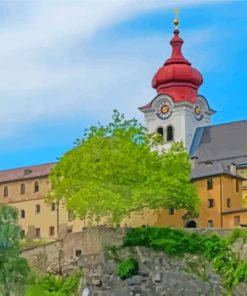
(176, 77)
(176, 20)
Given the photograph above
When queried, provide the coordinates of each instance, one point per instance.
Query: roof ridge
(28, 167)
(227, 123)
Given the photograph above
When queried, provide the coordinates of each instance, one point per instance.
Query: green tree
(112, 172)
(13, 268)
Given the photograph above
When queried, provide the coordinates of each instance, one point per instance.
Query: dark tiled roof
(226, 143)
(203, 171)
(26, 172)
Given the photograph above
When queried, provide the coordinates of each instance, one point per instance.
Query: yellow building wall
(228, 219)
(243, 172)
(204, 194)
(224, 187)
(229, 192)
(159, 217)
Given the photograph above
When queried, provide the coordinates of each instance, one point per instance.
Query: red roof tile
(28, 172)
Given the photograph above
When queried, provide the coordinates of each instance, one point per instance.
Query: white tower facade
(176, 121)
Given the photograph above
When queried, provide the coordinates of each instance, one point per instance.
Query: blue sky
(65, 65)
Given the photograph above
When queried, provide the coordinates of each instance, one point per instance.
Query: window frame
(22, 214)
(210, 223)
(52, 231)
(37, 229)
(210, 203)
(5, 191)
(171, 211)
(23, 189)
(36, 186)
(237, 220)
(210, 184)
(169, 132)
(37, 208)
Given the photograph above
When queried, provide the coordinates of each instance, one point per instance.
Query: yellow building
(220, 190)
(25, 188)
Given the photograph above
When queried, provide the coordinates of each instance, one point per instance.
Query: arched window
(5, 191)
(22, 214)
(36, 186)
(169, 133)
(160, 131)
(22, 188)
(37, 209)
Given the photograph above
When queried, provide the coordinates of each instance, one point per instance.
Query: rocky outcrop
(158, 274)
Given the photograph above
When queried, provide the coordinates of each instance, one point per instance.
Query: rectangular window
(52, 230)
(237, 185)
(171, 211)
(229, 203)
(209, 183)
(210, 223)
(71, 215)
(69, 229)
(37, 232)
(77, 253)
(236, 220)
(53, 207)
(37, 209)
(210, 203)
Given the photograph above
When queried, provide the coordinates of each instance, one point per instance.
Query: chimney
(233, 169)
(194, 162)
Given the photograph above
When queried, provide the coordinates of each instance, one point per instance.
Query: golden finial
(176, 20)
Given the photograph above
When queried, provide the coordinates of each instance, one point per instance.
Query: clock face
(164, 109)
(198, 112)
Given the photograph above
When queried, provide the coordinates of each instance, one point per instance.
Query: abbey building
(178, 113)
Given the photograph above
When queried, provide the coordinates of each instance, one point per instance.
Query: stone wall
(88, 243)
(39, 258)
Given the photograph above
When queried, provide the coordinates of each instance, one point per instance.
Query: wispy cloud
(42, 79)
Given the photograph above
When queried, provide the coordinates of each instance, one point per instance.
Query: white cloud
(34, 86)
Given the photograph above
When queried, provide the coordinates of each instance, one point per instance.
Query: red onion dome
(177, 78)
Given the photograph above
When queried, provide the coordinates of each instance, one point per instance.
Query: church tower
(177, 110)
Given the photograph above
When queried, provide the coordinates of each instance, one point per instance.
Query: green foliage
(177, 242)
(127, 268)
(112, 172)
(13, 268)
(173, 242)
(237, 233)
(54, 286)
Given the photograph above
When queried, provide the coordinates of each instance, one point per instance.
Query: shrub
(127, 268)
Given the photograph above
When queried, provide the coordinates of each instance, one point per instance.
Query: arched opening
(169, 133)
(160, 131)
(36, 186)
(5, 191)
(190, 224)
(22, 188)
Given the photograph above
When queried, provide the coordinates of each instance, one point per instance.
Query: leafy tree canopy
(13, 268)
(112, 172)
